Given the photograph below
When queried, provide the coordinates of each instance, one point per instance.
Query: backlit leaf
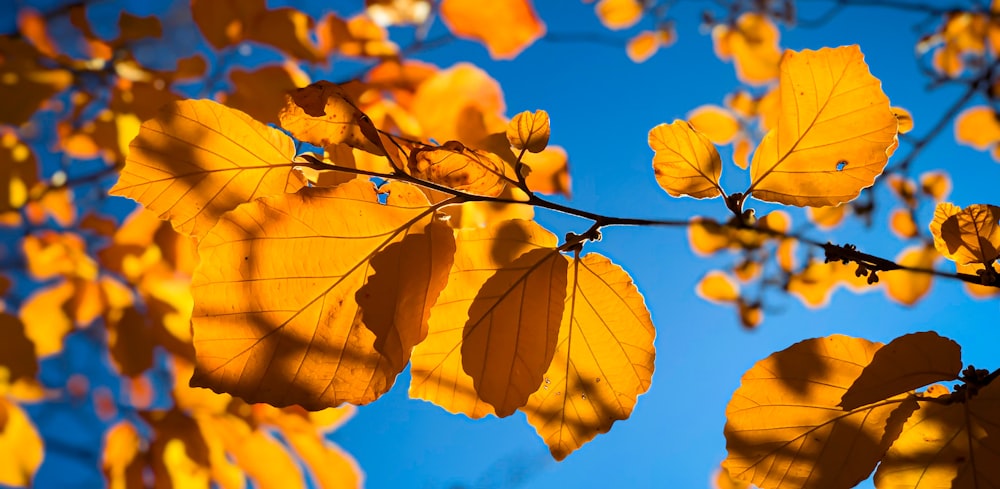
(936, 184)
(752, 44)
(122, 459)
(715, 122)
(603, 360)
(334, 322)
(965, 236)
(456, 166)
(901, 224)
(685, 161)
(646, 43)
(494, 328)
(19, 442)
(718, 287)
(18, 170)
(323, 114)
(904, 118)
(954, 445)
(618, 14)
(816, 283)
(906, 363)
(45, 320)
(28, 83)
(198, 159)
(549, 171)
(398, 12)
(826, 217)
(978, 127)
(833, 135)
(506, 27)
(462, 103)
(908, 287)
(785, 429)
(261, 92)
(529, 130)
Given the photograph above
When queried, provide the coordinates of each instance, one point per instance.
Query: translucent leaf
(827, 217)
(28, 83)
(954, 445)
(718, 287)
(936, 184)
(549, 171)
(122, 459)
(398, 12)
(334, 322)
(816, 283)
(906, 363)
(646, 43)
(715, 122)
(901, 224)
(21, 445)
(785, 429)
(323, 114)
(908, 287)
(529, 130)
(752, 44)
(18, 170)
(834, 133)
(461, 103)
(456, 166)
(977, 127)
(494, 328)
(619, 14)
(229, 23)
(904, 119)
(261, 92)
(603, 359)
(198, 159)
(505, 27)
(685, 161)
(46, 322)
(965, 236)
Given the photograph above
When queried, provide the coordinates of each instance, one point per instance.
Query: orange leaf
(495, 269)
(901, 224)
(455, 166)
(261, 93)
(977, 127)
(619, 14)
(549, 171)
(198, 159)
(506, 27)
(827, 217)
(19, 442)
(715, 122)
(646, 43)
(718, 287)
(936, 184)
(904, 119)
(814, 285)
(462, 103)
(784, 426)
(685, 161)
(45, 320)
(317, 332)
(18, 170)
(529, 131)
(398, 12)
(323, 114)
(752, 44)
(909, 362)
(28, 83)
(122, 459)
(603, 359)
(834, 133)
(969, 235)
(130, 341)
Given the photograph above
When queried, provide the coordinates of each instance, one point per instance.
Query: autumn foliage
(298, 243)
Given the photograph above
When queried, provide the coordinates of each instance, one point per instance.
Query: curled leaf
(323, 114)
(529, 130)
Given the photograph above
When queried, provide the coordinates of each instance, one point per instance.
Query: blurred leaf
(619, 14)
(752, 44)
(505, 27)
(908, 287)
(21, 445)
(718, 287)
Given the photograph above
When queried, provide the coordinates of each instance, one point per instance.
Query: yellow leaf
(529, 130)
(955, 445)
(198, 159)
(718, 287)
(266, 461)
(834, 133)
(815, 284)
(715, 122)
(619, 14)
(46, 322)
(122, 461)
(398, 12)
(752, 44)
(976, 290)
(936, 184)
(549, 171)
(19, 442)
(901, 224)
(261, 92)
(685, 161)
(785, 429)
(506, 27)
(827, 217)
(906, 363)
(969, 235)
(908, 287)
(335, 321)
(462, 103)
(603, 359)
(493, 331)
(646, 43)
(978, 127)
(227, 23)
(904, 119)
(323, 114)
(18, 168)
(723, 480)
(456, 166)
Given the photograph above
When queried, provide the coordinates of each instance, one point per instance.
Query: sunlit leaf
(816, 283)
(785, 429)
(121, 460)
(21, 445)
(549, 171)
(906, 363)
(827, 217)
(506, 27)
(462, 103)
(323, 114)
(965, 236)
(227, 23)
(261, 92)
(334, 325)
(908, 287)
(834, 133)
(359, 36)
(494, 328)
(978, 127)
(953, 445)
(717, 286)
(936, 184)
(603, 359)
(646, 43)
(715, 122)
(456, 166)
(619, 14)
(198, 159)
(263, 458)
(685, 161)
(529, 130)
(46, 322)
(398, 12)
(904, 119)
(18, 170)
(752, 44)
(901, 224)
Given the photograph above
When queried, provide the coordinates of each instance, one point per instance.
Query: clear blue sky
(602, 106)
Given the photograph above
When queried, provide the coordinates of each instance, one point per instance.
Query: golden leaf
(978, 127)
(827, 217)
(506, 292)
(505, 27)
(901, 224)
(198, 159)
(335, 325)
(904, 119)
(18, 170)
(965, 236)
(398, 12)
(461, 103)
(122, 461)
(715, 122)
(227, 23)
(685, 161)
(619, 14)
(21, 445)
(456, 166)
(955, 445)
(752, 44)
(936, 184)
(603, 359)
(261, 92)
(834, 133)
(529, 131)
(717, 286)
(323, 114)
(646, 43)
(785, 428)
(45, 320)
(906, 363)
(816, 283)
(549, 171)
(908, 287)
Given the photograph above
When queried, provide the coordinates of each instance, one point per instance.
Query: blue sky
(602, 106)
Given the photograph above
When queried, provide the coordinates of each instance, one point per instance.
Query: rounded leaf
(685, 161)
